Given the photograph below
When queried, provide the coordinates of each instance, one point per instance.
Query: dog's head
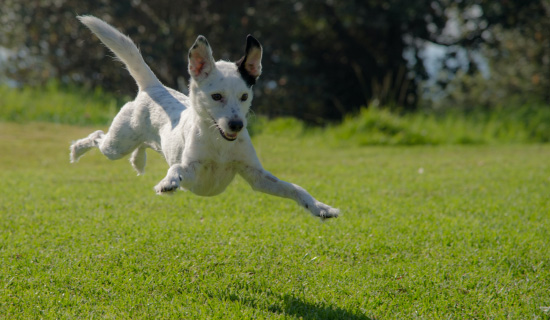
(221, 92)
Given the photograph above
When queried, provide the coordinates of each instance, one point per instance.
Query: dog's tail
(125, 50)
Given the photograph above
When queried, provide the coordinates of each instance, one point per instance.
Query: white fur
(199, 137)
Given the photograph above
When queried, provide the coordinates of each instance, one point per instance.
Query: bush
(52, 103)
(374, 126)
(371, 126)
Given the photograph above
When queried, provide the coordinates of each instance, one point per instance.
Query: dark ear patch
(250, 66)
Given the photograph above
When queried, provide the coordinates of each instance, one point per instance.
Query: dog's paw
(76, 151)
(324, 211)
(167, 186)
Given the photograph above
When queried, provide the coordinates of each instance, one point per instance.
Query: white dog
(203, 137)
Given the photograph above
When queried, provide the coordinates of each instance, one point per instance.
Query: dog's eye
(216, 97)
(244, 97)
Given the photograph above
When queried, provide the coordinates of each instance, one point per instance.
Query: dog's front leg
(178, 175)
(261, 180)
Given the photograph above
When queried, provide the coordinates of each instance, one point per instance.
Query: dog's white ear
(201, 61)
(250, 66)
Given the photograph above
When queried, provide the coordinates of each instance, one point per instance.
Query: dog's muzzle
(235, 125)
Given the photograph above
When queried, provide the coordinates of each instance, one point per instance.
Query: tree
(513, 39)
(322, 59)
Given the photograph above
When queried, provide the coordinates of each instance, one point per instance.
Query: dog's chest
(212, 177)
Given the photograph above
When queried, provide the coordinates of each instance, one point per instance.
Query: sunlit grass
(55, 104)
(427, 232)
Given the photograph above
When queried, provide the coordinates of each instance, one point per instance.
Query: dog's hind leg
(138, 160)
(80, 147)
(114, 145)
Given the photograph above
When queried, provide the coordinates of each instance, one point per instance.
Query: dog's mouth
(227, 136)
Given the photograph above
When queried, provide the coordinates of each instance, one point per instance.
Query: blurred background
(323, 61)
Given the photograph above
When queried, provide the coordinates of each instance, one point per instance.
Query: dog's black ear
(250, 66)
(201, 61)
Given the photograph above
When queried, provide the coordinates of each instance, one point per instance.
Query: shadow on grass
(293, 306)
(306, 310)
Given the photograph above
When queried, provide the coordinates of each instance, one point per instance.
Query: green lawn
(443, 232)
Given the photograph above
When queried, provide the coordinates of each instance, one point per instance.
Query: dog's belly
(211, 178)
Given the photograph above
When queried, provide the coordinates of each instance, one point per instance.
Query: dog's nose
(236, 125)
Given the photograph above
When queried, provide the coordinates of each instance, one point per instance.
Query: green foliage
(322, 59)
(374, 126)
(54, 103)
(426, 232)
(513, 54)
(289, 126)
(371, 126)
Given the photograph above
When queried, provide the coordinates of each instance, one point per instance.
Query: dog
(203, 136)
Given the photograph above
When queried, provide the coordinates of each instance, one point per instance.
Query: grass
(370, 126)
(427, 232)
(374, 126)
(55, 104)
